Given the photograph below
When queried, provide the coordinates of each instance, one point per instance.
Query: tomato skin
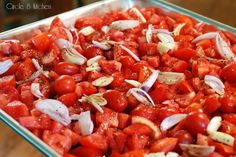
(64, 84)
(164, 145)
(9, 80)
(109, 117)
(124, 120)
(118, 80)
(41, 41)
(116, 100)
(85, 88)
(211, 105)
(93, 21)
(229, 72)
(138, 129)
(92, 51)
(68, 99)
(228, 104)
(214, 154)
(127, 61)
(16, 109)
(144, 111)
(184, 137)
(25, 69)
(58, 142)
(134, 153)
(110, 67)
(230, 117)
(185, 54)
(82, 151)
(66, 68)
(196, 123)
(165, 112)
(228, 127)
(88, 141)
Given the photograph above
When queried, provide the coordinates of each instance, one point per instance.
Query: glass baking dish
(99, 8)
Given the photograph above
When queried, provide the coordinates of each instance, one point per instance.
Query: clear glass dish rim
(35, 141)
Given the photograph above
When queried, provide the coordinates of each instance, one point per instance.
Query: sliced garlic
(139, 14)
(96, 100)
(214, 124)
(149, 33)
(87, 31)
(142, 120)
(103, 81)
(93, 67)
(197, 150)
(170, 78)
(124, 24)
(94, 60)
(177, 30)
(172, 154)
(133, 83)
(222, 137)
(158, 154)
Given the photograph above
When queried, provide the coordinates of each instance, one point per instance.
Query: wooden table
(12, 145)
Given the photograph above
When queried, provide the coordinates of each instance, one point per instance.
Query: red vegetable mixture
(133, 83)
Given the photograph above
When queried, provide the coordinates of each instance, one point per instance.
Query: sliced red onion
(5, 66)
(149, 33)
(222, 137)
(142, 120)
(139, 95)
(133, 83)
(32, 77)
(134, 56)
(210, 35)
(158, 154)
(94, 60)
(214, 124)
(105, 29)
(96, 100)
(87, 31)
(36, 64)
(103, 81)
(35, 90)
(55, 109)
(124, 24)
(63, 44)
(197, 150)
(223, 48)
(76, 35)
(171, 121)
(102, 45)
(215, 83)
(138, 14)
(85, 122)
(69, 35)
(177, 30)
(170, 78)
(71, 57)
(150, 81)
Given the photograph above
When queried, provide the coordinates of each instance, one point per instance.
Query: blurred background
(14, 13)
